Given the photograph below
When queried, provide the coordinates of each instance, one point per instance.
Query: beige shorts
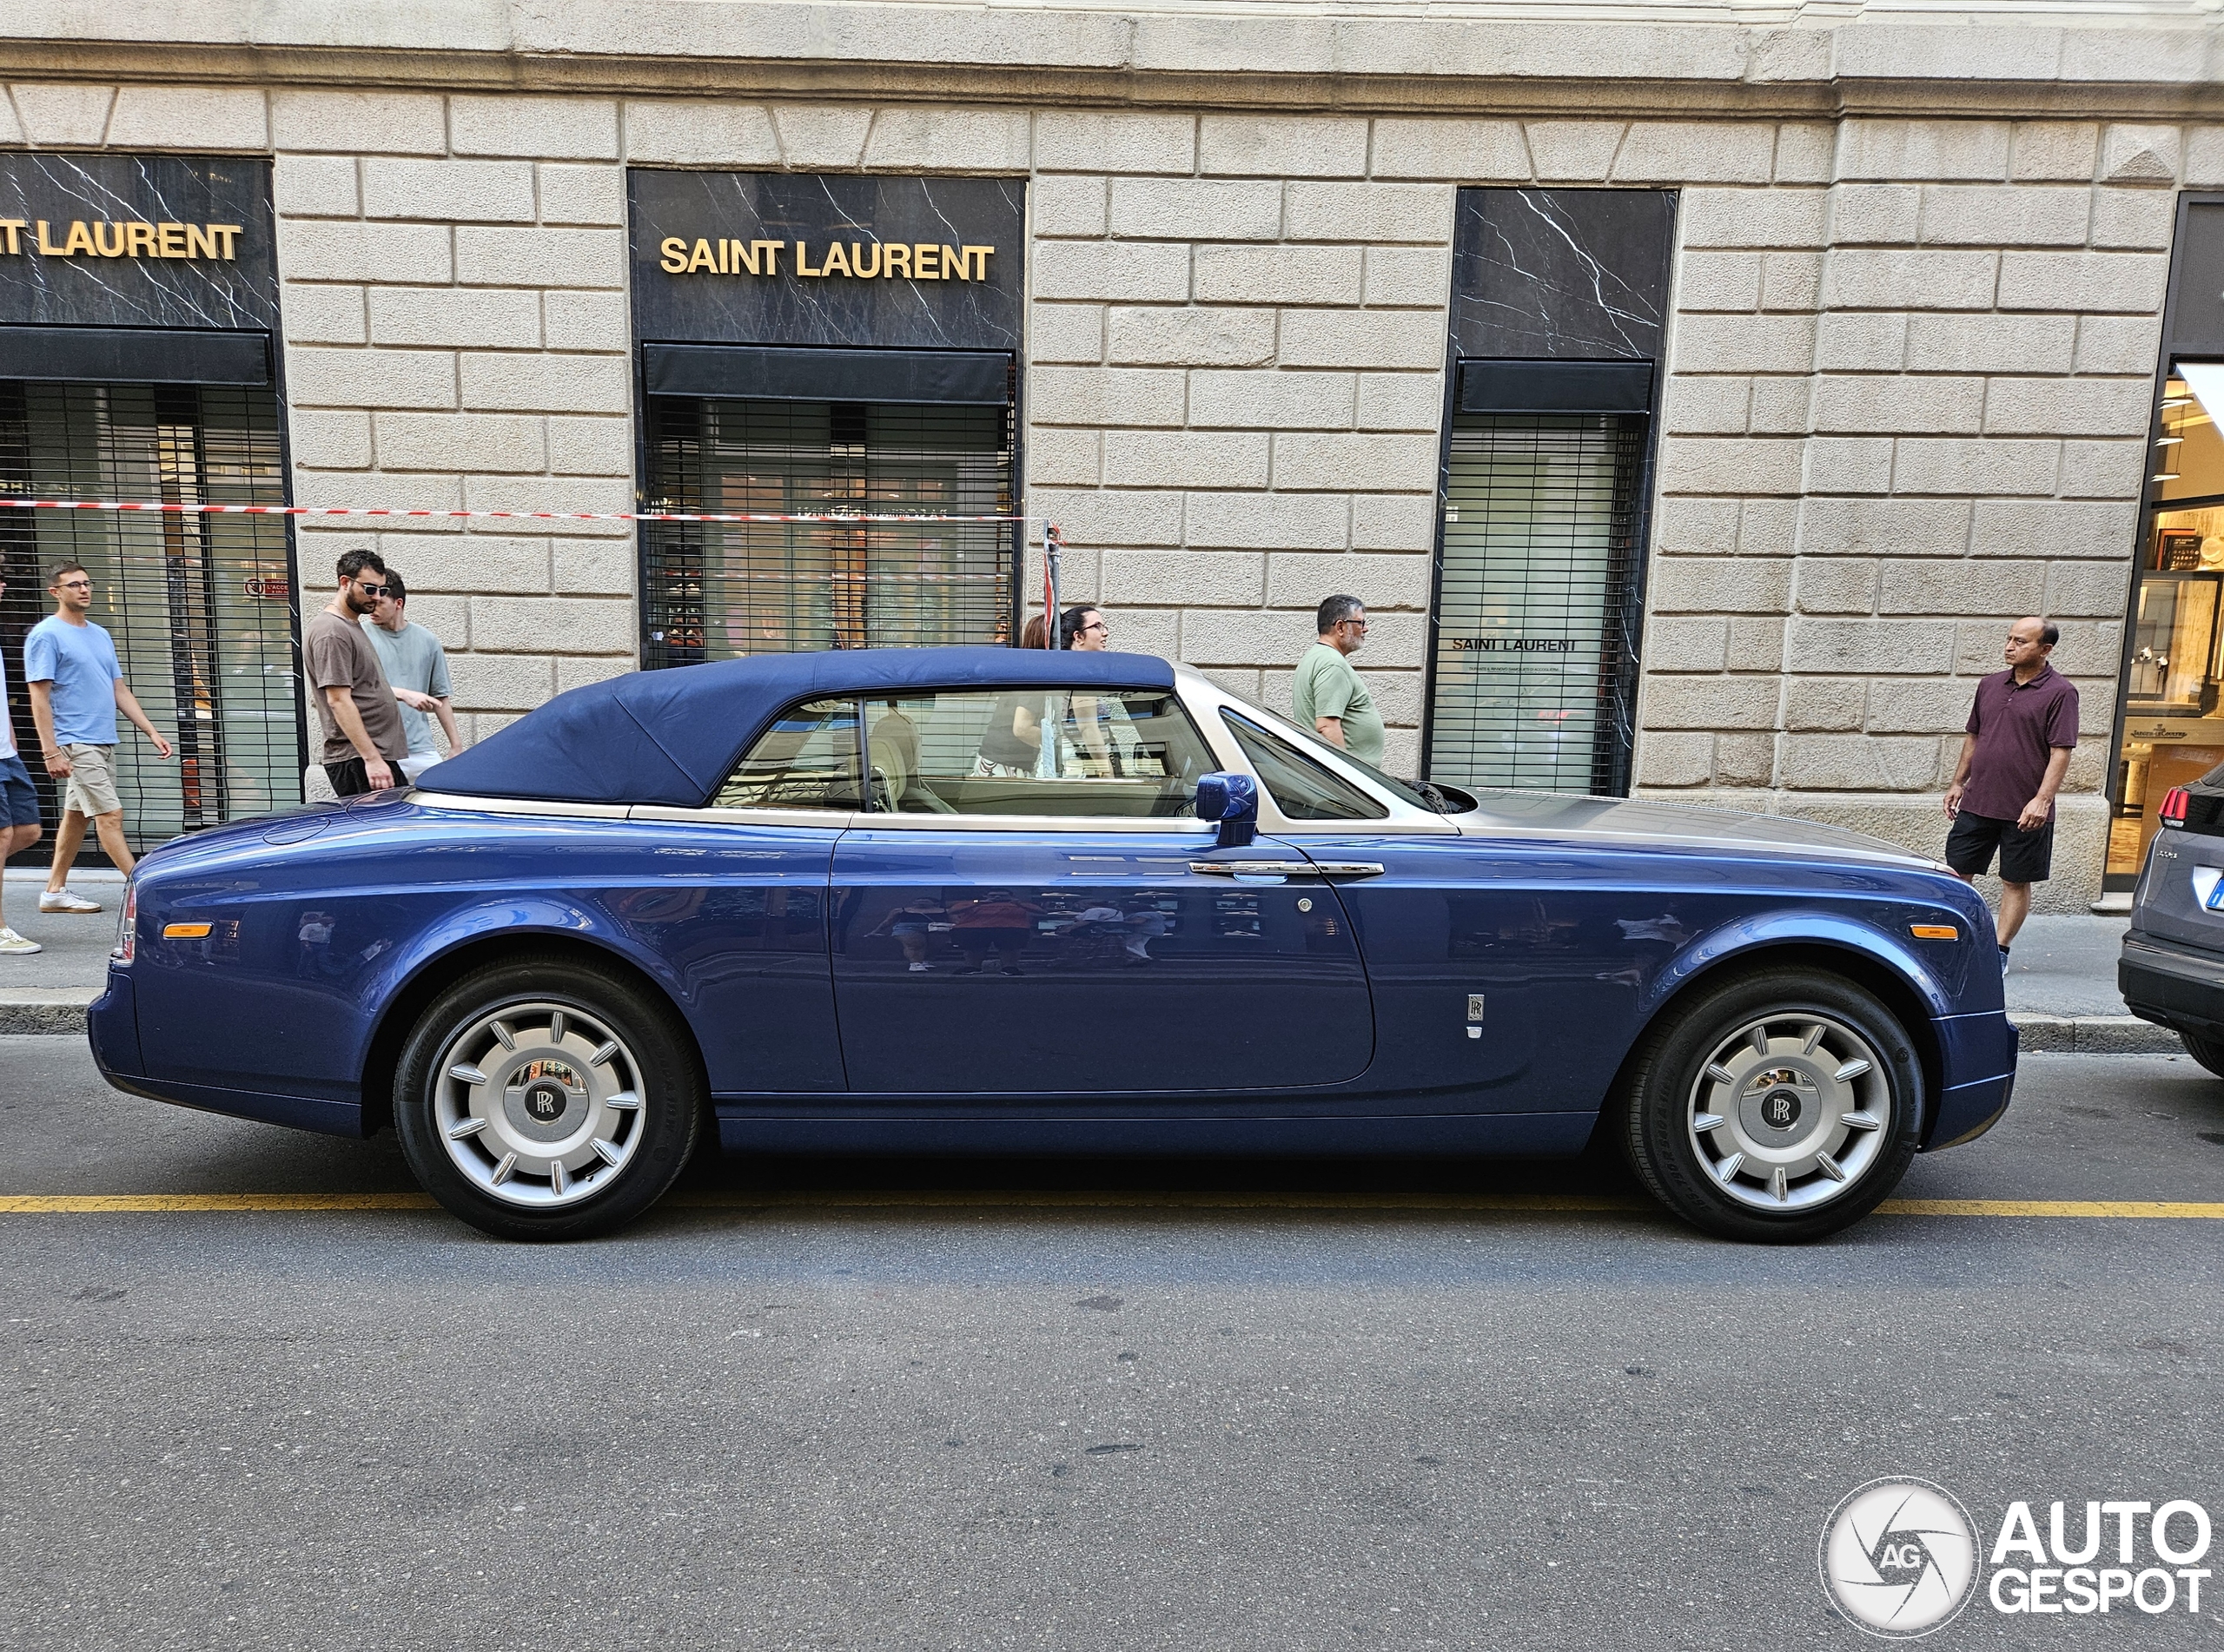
(92, 780)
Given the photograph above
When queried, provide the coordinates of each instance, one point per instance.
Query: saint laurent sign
(136, 240)
(922, 261)
(766, 258)
(99, 238)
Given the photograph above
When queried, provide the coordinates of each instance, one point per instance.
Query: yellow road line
(146, 1204)
(2134, 1208)
(1549, 1204)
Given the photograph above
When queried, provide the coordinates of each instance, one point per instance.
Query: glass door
(2172, 729)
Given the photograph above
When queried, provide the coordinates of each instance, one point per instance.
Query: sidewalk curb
(55, 1010)
(63, 1011)
(2095, 1036)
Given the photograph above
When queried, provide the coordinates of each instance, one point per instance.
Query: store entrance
(200, 606)
(1537, 601)
(2173, 719)
(717, 590)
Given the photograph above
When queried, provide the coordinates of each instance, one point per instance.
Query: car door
(738, 904)
(1069, 928)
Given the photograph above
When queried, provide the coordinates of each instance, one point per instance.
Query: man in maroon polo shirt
(2020, 731)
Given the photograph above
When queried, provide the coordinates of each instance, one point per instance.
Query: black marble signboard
(1571, 274)
(797, 259)
(2196, 312)
(136, 240)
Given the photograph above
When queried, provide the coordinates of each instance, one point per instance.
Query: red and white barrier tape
(836, 518)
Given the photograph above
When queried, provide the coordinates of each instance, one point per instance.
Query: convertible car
(984, 899)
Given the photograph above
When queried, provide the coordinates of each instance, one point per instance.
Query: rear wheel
(541, 1100)
(2206, 1051)
(1775, 1107)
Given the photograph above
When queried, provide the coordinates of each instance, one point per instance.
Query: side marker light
(1934, 932)
(186, 931)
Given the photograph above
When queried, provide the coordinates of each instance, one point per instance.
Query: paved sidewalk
(48, 991)
(2062, 989)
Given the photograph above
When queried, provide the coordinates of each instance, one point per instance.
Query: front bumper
(1969, 1106)
(2177, 987)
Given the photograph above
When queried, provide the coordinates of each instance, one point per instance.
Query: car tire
(541, 1098)
(1773, 1107)
(2209, 1053)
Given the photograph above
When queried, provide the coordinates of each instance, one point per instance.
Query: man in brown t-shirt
(364, 742)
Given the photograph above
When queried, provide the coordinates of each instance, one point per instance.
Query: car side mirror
(1233, 800)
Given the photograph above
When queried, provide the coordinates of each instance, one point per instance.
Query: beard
(358, 603)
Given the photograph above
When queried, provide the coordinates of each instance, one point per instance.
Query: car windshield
(1421, 795)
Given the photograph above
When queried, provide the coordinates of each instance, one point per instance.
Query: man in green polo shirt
(1327, 696)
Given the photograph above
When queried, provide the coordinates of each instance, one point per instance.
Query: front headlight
(127, 929)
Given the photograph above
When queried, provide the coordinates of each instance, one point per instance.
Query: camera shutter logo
(1899, 1558)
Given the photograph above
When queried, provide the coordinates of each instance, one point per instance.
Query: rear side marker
(186, 931)
(1934, 932)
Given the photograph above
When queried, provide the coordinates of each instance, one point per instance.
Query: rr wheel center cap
(1779, 1105)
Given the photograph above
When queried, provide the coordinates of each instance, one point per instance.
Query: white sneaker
(14, 946)
(66, 900)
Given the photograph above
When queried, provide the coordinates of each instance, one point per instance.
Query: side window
(1302, 789)
(1108, 753)
(807, 759)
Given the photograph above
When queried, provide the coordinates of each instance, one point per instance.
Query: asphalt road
(977, 1406)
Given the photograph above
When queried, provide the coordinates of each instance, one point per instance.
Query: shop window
(200, 606)
(2173, 726)
(717, 590)
(1537, 598)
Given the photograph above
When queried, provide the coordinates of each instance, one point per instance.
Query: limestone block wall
(1909, 403)
(1236, 383)
(454, 307)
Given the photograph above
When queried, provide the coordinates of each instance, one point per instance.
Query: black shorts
(349, 779)
(2025, 856)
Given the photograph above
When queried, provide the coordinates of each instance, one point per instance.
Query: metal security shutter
(200, 606)
(716, 591)
(1534, 669)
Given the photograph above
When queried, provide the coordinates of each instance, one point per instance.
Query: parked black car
(2172, 970)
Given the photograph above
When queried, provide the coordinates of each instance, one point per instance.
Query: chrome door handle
(1288, 869)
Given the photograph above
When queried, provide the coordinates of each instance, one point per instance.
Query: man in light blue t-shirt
(417, 670)
(77, 688)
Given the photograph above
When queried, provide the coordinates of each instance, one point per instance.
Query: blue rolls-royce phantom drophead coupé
(986, 899)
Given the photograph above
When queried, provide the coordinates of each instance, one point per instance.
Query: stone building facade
(1908, 380)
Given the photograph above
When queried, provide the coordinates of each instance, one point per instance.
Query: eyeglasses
(372, 590)
(1098, 624)
(74, 584)
(1357, 625)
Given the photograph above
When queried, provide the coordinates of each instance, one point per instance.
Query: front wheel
(540, 1099)
(1775, 1107)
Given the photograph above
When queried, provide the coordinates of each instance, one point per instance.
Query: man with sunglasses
(364, 742)
(1327, 696)
(77, 688)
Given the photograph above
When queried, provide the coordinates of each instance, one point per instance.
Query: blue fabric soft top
(672, 737)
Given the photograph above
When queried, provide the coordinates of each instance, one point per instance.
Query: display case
(2173, 645)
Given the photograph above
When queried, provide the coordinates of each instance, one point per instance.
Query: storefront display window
(2172, 729)
(716, 590)
(199, 605)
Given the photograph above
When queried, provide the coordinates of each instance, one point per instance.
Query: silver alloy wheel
(1791, 1112)
(538, 1105)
